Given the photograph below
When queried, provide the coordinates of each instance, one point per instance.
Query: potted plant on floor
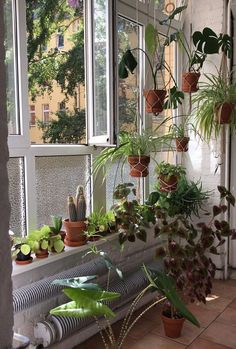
(22, 251)
(154, 54)
(186, 253)
(215, 106)
(75, 225)
(169, 175)
(136, 149)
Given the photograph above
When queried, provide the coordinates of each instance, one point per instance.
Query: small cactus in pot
(75, 225)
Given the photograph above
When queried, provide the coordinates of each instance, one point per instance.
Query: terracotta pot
(23, 259)
(63, 235)
(172, 327)
(74, 233)
(168, 184)
(182, 144)
(154, 100)
(190, 81)
(223, 113)
(138, 165)
(41, 253)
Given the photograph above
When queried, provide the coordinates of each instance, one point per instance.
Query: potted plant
(132, 218)
(38, 240)
(187, 249)
(56, 227)
(75, 225)
(205, 43)
(154, 54)
(215, 105)
(136, 149)
(22, 251)
(188, 199)
(87, 299)
(169, 175)
(97, 225)
(180, 133)
(55, 243)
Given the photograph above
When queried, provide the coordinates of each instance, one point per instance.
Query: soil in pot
(139, 165)
(154, 100)
(41, 253)
(172, 327)
(223, 113)
(190, 81)
(182, 144)
(75, 233)
(168, 184)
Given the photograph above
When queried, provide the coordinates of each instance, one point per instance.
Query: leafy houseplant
(187, 200)
(136, 149)
(154, 54)
(57, 225)
(215, 103)
(132, 218)
(22, 251)
(99, 224)
(169, 175)
(75, 225)
(187, 249)
(87, 300)
(38, 240)
(179, 133)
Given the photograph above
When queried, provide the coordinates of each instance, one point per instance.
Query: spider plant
(213, 93)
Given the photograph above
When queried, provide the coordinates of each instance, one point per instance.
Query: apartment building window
(32, 115)
(46, 113)
(60, 39)
(62, 106)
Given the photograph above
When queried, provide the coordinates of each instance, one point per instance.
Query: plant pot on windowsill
(172, 326)
(223, 113)
(182, 144)
(41, 253)
(190, 81)
(138, 165)
(75, 233)
(23, 258)
(168, 183)
(155, 100)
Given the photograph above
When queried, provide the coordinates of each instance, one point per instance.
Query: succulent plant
(80, 204)
(72, 209)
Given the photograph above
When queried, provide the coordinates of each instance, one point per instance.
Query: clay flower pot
(23, 259)
(42, 253)
(182, 144)
(190, 81)
(139, 165)
(74, 233)
(154, 100)
(223, 113)
(172, 327)
(168, 184)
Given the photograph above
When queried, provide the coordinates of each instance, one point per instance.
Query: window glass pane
(57, 178)
(11, 71)
(56, 71)
(17, 195)
(128, 38)
(100, 67)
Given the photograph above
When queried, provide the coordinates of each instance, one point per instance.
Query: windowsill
(55, 257)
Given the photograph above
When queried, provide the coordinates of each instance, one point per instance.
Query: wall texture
(6, 313)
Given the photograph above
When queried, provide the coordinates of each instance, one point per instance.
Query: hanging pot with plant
(168, 176)
(223, 113)
(190, 81)
(139, 165)
(182, 144)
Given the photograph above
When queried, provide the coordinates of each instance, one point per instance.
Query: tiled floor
(217, 319)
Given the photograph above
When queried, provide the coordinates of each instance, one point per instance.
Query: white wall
(6, 313)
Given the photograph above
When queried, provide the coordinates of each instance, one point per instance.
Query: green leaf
(123, 72)
(44, 244)
(142, 235)
(58, 246)
(216, 210)
(78, 282)
(76, 293)
(206, 41)
(151, 38)
(231, 199)
(166, 286)
(25, 249)
(153, 198)
(213, 250)
(222, 190)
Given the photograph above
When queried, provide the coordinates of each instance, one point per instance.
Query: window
(46, 113)
(60, 40)
(54, 151)
(32, 115)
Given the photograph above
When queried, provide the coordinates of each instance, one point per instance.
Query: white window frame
(20, 146)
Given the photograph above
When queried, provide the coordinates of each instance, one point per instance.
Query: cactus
(80, 204)
(72, 209)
